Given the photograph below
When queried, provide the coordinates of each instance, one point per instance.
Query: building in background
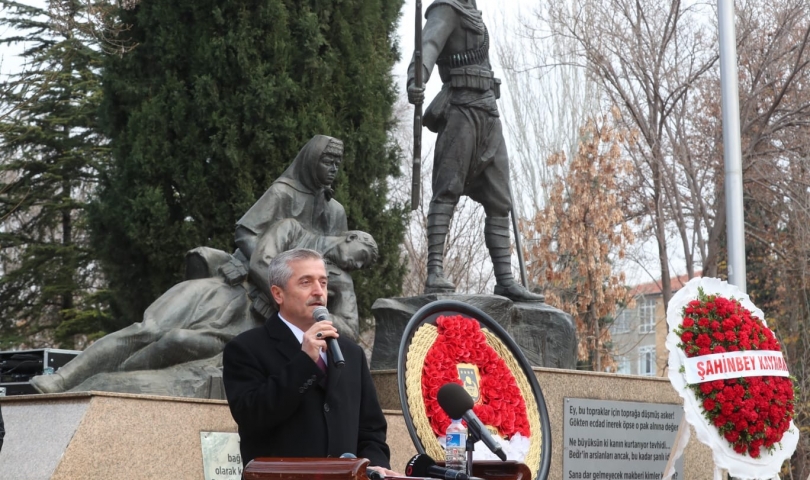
(639, 333)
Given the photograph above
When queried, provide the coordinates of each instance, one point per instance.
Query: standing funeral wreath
(452, 342)
(728, 367)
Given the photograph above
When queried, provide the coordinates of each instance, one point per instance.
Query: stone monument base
(546, 335)
(116, 436)
(558, 386)
(68, 436)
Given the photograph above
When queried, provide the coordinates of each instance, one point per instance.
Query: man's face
(305, 291)
(327, 168)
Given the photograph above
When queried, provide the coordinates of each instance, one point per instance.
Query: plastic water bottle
(456, 446)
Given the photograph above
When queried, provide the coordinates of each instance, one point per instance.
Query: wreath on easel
(452, 342)
(728, 367)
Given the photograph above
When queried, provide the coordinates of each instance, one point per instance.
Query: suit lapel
(286, 343)
(288, 346)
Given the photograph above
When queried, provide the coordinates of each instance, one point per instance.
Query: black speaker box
(18, 366)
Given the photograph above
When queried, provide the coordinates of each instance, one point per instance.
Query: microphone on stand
(319, 314)
(422, 465)
(457, 403)
(374, 474)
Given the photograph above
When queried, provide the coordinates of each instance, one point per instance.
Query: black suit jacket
(284, 408)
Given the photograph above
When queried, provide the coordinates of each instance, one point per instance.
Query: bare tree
(646, 59)
(549, 98)
(657, 64)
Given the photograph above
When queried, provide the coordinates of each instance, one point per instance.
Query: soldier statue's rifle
(416, 181)
(524, 278)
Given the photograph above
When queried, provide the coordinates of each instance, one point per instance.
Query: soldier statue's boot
(438, 224)
(496, 236)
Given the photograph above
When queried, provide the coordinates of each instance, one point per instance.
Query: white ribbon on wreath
(742, 467)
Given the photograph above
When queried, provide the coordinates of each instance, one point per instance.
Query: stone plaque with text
(609, 440)
(221, 457)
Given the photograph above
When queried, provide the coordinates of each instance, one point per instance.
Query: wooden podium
(306, 469)
(355, 469)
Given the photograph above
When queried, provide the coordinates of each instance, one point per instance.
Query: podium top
(266, 468)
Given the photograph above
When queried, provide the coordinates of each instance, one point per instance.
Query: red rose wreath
(728, 367)
(500, 405)
(750, 412)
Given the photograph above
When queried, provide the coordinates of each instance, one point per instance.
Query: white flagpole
(735, 228)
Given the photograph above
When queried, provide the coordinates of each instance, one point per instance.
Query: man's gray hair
(280, 271)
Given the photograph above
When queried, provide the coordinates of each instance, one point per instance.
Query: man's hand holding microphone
(320, 335)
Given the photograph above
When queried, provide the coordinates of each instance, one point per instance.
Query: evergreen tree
(214, 103)
(50, 153)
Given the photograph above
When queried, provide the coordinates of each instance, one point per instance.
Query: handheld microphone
(321, 313)
(370, 472)
(457, 403)
(422, 465)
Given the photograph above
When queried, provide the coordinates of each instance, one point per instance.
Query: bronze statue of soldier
(470, 156)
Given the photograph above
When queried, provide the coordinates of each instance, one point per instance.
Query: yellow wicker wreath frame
(423, 339)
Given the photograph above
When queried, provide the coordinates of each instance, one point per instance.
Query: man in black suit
(285, 399)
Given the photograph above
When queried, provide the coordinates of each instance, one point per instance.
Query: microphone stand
(472, 437)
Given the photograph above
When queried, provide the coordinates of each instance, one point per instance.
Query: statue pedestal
(71, 436)
(546, 335)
